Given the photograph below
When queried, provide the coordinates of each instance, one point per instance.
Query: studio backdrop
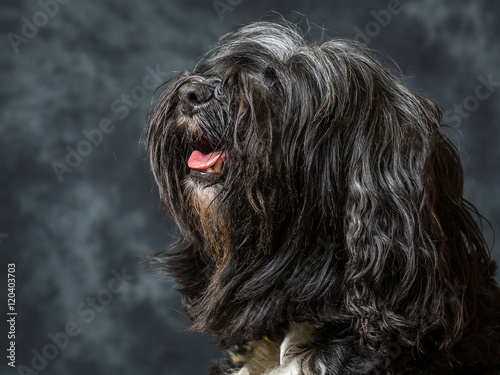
(80, 213)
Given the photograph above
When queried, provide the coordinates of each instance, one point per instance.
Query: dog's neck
(269, 357)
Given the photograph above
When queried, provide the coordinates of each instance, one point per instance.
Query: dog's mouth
(206, 162)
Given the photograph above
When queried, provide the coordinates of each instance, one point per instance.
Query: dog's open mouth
(210, 163)
(207, 162)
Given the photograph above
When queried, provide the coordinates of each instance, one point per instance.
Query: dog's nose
(194, 96)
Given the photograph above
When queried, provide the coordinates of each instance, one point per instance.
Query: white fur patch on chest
(273, 358)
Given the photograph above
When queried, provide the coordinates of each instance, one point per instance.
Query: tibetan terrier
(324, 229)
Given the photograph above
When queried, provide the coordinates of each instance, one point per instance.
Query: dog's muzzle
(194, 96)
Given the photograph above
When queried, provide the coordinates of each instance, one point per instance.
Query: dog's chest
(267, 357)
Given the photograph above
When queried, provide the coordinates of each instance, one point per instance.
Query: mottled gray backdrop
(79, 211)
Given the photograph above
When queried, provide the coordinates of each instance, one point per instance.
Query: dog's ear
(414, 252)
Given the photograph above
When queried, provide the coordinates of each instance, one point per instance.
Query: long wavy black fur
(340, 204)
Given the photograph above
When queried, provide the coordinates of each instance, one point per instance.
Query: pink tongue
(200, 162)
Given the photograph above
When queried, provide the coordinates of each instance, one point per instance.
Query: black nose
(194, 96)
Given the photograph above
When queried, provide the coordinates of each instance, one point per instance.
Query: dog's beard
(215, 232)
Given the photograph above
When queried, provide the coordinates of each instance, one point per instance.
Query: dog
(323, 229)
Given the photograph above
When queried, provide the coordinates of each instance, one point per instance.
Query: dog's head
(309, 184)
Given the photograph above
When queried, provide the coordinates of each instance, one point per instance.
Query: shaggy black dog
(324, 229)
